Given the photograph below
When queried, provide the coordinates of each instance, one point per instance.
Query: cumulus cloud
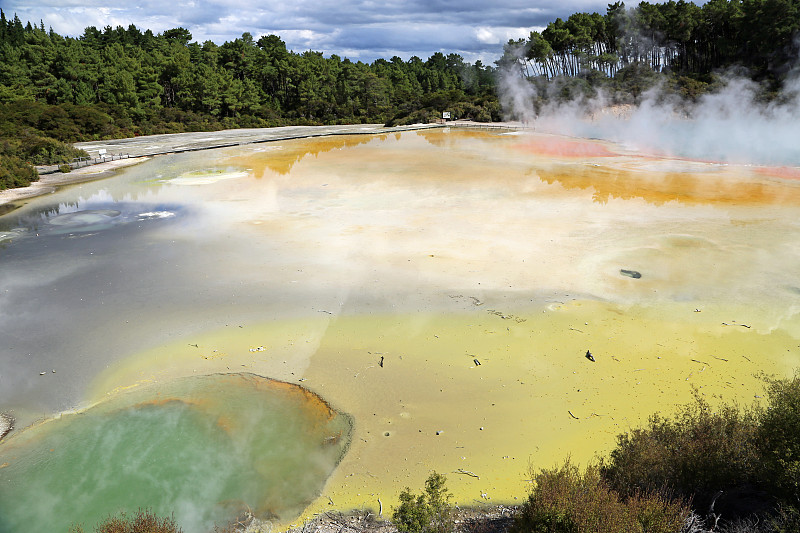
(358, 29)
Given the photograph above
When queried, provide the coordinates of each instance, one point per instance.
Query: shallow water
(312, 261)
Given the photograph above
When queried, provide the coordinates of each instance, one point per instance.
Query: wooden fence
(487, 126)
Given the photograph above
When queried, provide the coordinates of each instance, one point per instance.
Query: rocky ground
(496, 519)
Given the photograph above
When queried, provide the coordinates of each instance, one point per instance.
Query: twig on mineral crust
(467, 473)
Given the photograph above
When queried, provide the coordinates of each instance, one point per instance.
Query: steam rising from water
(424, 246)
(729, 125)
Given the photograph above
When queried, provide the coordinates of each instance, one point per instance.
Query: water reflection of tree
(658, 188)
(453, 137)
(282, 160)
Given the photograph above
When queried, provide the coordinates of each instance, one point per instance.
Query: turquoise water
(207, 449)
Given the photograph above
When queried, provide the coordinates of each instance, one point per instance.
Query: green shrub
(564, 500)
(14, 172)
(785, 520)
(695, 455)
(779, 438)
(65, 168)
(46, 151)
(429, 512)
(143, 521)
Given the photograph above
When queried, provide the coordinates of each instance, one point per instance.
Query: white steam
(728, 125)
(516, 93)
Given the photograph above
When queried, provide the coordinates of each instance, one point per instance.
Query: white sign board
(101, 151)
(446, 115)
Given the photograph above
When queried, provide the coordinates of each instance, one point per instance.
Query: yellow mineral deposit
(474, 273)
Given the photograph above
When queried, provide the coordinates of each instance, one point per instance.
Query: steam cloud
(729, 125)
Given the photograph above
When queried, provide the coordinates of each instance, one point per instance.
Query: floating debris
(631, 273)
(504, 316)
(149, 215)
(734, 324)
(589, 356)
(6, 424)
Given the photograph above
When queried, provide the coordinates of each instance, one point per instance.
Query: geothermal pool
(202, 448)
(438, 288)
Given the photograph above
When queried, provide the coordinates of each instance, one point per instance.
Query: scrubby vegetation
(729, 468)
(429, 512)
(14, 171)
(566, 500)
(695, 454)
(143, 521)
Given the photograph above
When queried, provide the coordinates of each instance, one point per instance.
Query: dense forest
(153, 83)
(119, 82)
(667, 37)
(680, 45)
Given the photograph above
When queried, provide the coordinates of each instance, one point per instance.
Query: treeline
(122, 82)
(153, 83)
(678, 37)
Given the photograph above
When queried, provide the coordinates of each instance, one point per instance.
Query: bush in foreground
(565, 500)
(14, 172)
(737, 466)
(779, 439)
(429, 512)
(696, 454)
(143, 521)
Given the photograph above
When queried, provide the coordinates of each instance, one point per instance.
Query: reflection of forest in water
(280, 158)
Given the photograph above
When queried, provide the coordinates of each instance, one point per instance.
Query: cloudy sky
(358, 29)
